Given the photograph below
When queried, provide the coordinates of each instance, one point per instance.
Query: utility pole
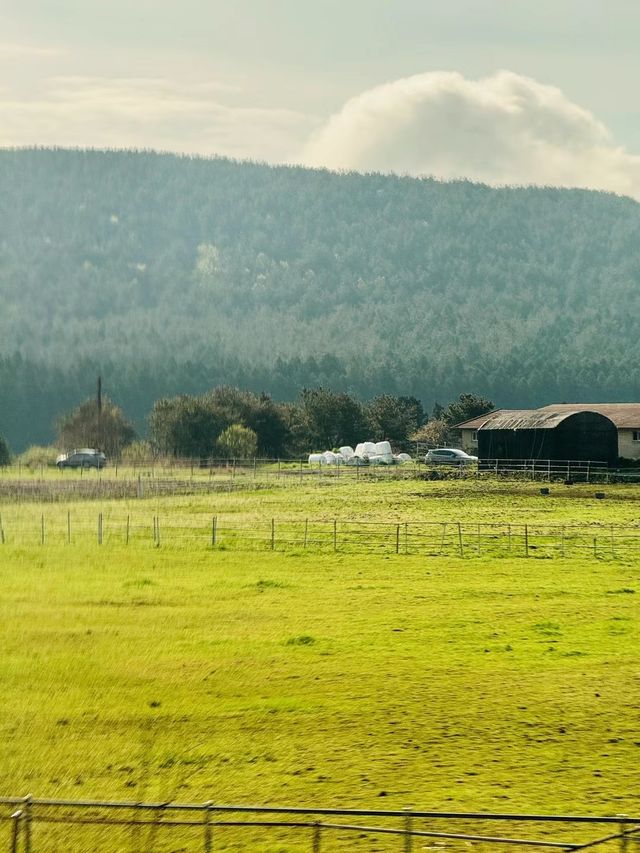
(99, 403)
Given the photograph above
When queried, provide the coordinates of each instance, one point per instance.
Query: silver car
(87, 457)
(449, 456)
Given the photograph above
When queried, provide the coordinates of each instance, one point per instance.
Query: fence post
(397, 538)
(157, 531)
(27, 823)
(208, 831)
(624, 838)
(316, 837)
(526, 541)
(1, 531)
(335, 535)
(15, 831)
(406, 537)
(128, 526)
(306, 531)
(214, 530)
(99, 528)
(408, 831)
(68, 527)
(42, 529)
(444, 531)
(460, 539)
(273, 534)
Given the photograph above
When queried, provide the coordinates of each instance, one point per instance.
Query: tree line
(229, 422)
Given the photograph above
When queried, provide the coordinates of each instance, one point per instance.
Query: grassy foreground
(289, 678)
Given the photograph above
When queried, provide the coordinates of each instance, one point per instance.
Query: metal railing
(202, 825)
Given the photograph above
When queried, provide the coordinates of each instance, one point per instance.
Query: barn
(557, 433)
(585, 437)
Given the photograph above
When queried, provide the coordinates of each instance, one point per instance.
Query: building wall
(627, 447)
(469, 445)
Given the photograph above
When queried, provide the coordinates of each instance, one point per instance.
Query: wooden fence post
(316, 837)
(68, 527)
(335, 535)
(408, 831)
(397, 538)
(526, 541)
(128, 526)
(1, 531)
(26, 816)
(214, 530)
(208, 830)
(15, 830)
(624, 838)
(273, 534)
(306, 531)
(460, 540)
(42, 529)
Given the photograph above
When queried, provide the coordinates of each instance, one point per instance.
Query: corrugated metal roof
(623, 415)
(476, 423)
(527, 419)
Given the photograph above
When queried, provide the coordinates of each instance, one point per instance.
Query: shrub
(238, 441)
(5, 456)
(39, 457)
(137, 453)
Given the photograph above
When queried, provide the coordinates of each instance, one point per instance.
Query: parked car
(449, 456)
(85, 458)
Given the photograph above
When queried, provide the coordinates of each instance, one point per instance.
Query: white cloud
(149, 113)
(503, 129)
(16, 50)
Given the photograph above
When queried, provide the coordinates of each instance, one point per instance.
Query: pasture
(303, 677)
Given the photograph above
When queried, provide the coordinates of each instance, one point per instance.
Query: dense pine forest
(172, 275)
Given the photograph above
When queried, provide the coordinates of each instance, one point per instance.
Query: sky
(502, 91)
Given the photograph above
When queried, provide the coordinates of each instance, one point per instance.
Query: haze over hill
(171, 275)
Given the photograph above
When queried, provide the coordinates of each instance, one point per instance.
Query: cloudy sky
(504, 91)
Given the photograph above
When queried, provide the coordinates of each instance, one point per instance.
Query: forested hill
(172, 275)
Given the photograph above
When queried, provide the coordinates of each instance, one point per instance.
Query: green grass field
(296, 677)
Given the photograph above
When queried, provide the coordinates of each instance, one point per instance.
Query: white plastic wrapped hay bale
(330, 457)
(369, 448)
(401, 458)
(383, 448)
(316, 459)
(347, 452)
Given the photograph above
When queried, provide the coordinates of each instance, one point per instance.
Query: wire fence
(33, 825)
(318, 535)
(128, 483)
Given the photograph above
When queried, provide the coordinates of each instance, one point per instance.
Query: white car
(449, 456)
